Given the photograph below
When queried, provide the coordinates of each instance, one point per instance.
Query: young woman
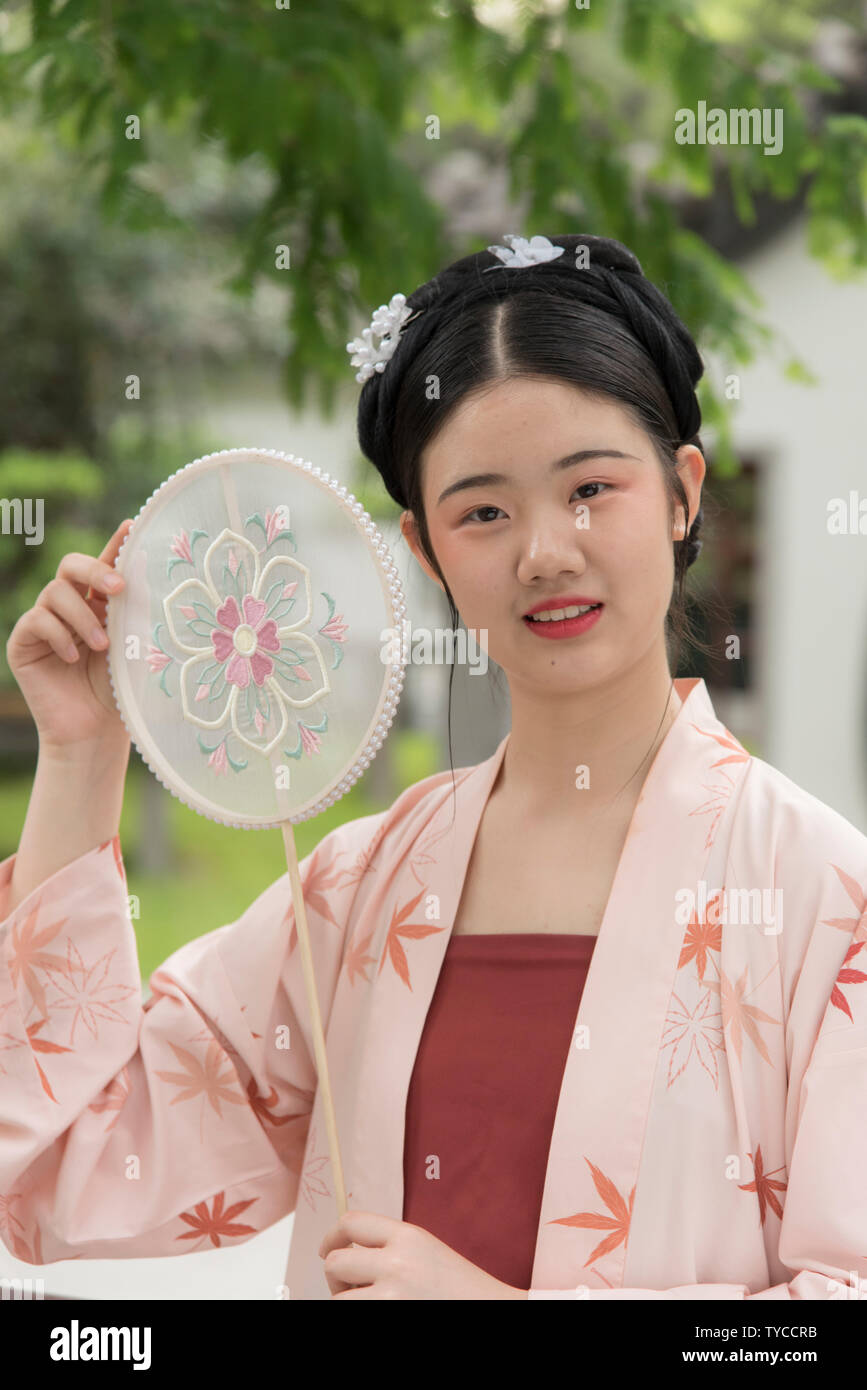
(687, 1117)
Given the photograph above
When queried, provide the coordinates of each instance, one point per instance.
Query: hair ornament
(389, 320)
(520, 252)
(386, 324)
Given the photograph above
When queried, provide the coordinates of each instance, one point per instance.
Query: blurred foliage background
(154, 157)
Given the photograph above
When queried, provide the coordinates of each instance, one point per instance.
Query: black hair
(589, 317)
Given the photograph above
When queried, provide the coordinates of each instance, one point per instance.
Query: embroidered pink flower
(156, 659)
(181, 547)
(217, 760)
(275, 522)
(249, 664)
(335, 628)
(244, 642)
(309, 740)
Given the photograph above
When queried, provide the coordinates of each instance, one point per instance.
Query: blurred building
(808, 707)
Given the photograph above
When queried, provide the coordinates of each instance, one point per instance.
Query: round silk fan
(255, 654)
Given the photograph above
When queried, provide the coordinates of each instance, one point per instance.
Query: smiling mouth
(553, 615)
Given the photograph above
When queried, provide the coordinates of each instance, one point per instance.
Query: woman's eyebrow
(489, 479)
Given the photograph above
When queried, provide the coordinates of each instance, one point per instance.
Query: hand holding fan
(247, 657)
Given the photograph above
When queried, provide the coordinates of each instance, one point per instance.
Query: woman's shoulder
(399, 824)
(780, 814)
(787, 841)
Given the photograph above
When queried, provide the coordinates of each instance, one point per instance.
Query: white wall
(812, 614)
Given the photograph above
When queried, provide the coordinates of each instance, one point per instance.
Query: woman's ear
(409, 530)
(691, 469)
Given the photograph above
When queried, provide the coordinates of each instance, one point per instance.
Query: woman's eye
(475, 513)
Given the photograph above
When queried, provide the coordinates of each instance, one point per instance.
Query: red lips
(560, 603)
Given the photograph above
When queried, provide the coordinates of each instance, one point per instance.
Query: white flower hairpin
(520, 252)
(390, 319)
(386, 324)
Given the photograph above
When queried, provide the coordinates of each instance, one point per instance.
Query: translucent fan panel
(254, 651)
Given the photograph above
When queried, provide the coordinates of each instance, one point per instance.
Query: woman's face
(597, 529)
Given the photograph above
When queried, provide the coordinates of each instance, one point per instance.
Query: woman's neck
(613, 731)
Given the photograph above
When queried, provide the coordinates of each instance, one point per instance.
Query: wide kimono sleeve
(131, 1129)
(820, 862)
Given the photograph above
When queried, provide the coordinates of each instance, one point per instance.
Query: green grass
(217, 871)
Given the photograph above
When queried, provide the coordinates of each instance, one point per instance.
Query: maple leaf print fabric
(763, 1060)
(180, 1125)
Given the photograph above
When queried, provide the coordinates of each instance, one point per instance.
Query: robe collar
(608, 1074)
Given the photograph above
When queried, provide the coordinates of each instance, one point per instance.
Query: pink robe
(710, 1138)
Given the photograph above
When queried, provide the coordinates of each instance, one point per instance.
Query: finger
(114, 581)
(45, 626)
(109, 554)
(335, 1285)
(364, 1227)
(338, 1279)
(89, 576)
(60, 598)
(359, 1265)
(335, 1239)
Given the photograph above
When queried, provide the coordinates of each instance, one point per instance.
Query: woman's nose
(551, 545)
